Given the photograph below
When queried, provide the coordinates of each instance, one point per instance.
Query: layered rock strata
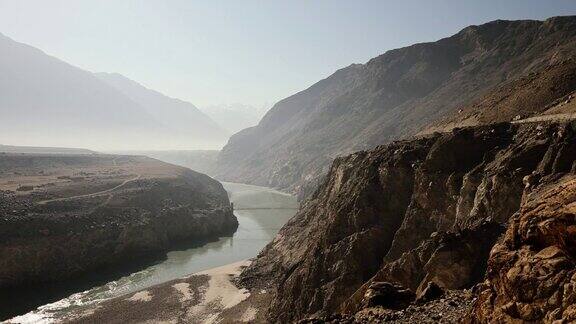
(411, 213)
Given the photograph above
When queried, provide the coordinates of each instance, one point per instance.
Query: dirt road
(543, 118)
(95, 194)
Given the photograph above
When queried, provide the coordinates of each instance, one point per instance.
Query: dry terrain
(494, 72)
(429, 211)
(66, 220)
(46, 178)
(206, 297)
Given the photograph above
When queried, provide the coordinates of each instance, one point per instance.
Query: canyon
(430, 210)
(437, 184)
(451, 206)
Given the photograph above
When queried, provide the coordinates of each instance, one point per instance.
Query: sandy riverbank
(205, 297)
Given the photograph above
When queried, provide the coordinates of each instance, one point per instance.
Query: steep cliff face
(531, 275)
(392, 96)
(412, 212)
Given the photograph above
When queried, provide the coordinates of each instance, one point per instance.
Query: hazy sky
(252, 52)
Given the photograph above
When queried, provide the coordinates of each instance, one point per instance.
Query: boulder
(387, 295)
(431, 292)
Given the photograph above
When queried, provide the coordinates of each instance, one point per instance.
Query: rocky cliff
(394, 95)
(412, 213)
(531, 274)
(94, 214)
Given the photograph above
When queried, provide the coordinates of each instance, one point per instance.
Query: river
(261, 212)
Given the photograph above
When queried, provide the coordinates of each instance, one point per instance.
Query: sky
(251, 52)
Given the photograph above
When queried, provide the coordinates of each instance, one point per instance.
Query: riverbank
(205, 297)
(210, 296)
(70, 222)
(261, 212)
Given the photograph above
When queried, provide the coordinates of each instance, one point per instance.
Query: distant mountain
(47, 102)
(235, 117)
(178, 115)
(393, 96)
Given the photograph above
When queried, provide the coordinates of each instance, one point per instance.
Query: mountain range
(465, 215)
(41, 95)
(398, 94)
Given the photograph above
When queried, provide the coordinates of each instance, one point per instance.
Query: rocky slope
(545, 92)
(65, 216)
(449, 308)
(392, 96)
(412, 213)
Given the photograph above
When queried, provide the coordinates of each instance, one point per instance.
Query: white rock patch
(249, 315)
(141, 296)
(184, 289)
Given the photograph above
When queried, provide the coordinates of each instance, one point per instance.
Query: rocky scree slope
(392, 96)
(412, 213)
(545, 92)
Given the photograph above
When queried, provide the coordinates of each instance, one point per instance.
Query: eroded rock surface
(531, 275)
(387, 295)
(450, 309)
(412, 212)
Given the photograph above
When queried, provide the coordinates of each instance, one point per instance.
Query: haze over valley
(236, 117)
(43, 95)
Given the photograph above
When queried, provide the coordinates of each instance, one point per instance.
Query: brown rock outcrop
(387, 295)
(449, 260)
(410, 213)
(431, 292)
(449, 309)
(531, 275)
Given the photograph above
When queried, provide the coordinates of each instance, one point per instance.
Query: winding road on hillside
(95, 194)
(543, 118)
